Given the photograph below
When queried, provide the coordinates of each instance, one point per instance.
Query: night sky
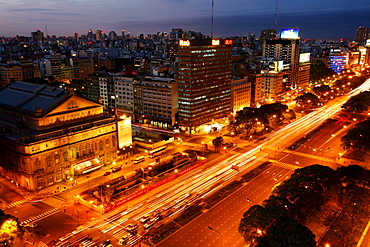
(317, 19)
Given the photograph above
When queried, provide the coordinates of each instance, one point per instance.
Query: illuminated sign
(124, 132)
(289, 33)
(367, 42)
(184, 42)
(215, 42)
(228, 42)
(304, 57)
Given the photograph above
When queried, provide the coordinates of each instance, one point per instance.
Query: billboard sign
(304, 57)
(290, 33)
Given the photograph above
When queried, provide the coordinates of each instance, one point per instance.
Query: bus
(157, 152)
(139, 159)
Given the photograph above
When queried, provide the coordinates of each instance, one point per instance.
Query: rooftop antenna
(276, 13)
(213, 4)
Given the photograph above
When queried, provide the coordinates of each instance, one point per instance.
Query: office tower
(285, 49)
(362, 34)
(240, 94)
(204, 81)
(155, 101)
(176, 34)
(123, 33)
(38, 36)
(338, 60)
(99, 35)
(90, 34)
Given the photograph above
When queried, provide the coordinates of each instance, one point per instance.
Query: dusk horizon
(324, 23)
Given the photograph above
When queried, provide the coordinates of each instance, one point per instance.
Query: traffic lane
(198, 229)
(238, 204)
(322, 137)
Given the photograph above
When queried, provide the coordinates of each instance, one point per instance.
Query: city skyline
(318, 20)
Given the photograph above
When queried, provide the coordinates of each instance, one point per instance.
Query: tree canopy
(357, 139)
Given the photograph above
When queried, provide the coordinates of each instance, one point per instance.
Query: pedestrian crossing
(17, 203)
(41, 244)
(320, 158)
(40, 216)
(285, 165)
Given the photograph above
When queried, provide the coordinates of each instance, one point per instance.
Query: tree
(307, 99)
(286, 232)
(255, 222)
(319, 71)
(358, 138)
(217, 143)
(358, 103)
(105, 192)
(10, 230)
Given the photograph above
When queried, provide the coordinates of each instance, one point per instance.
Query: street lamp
(217, 232)
(91, 202)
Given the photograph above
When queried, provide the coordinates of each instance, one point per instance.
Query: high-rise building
(90, 34)
(338, 60)
(99, 35)
(240, 94)
(204, 81)
(286, 50)
(362, 34)
(38, 36)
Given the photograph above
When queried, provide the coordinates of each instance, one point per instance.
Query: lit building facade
(124, 94)
(272, 85)
(337, 60)
(157, 101)
(240, 94)
(204, 81)
(49, 135)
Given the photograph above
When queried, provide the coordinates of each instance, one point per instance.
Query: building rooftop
(28, 96)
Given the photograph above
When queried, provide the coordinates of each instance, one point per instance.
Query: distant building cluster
(178, 80)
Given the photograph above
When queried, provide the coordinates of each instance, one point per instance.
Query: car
(145, 219)
(107, 243)
(66, 237)
(149, 224)
(169, 213)
(117, 169)
(124, 239)
(131, 227)
(157, 218)
(107, 173)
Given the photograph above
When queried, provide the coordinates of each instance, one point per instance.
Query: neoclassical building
(49, 135)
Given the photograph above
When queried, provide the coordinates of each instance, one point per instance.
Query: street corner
(3, 204)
